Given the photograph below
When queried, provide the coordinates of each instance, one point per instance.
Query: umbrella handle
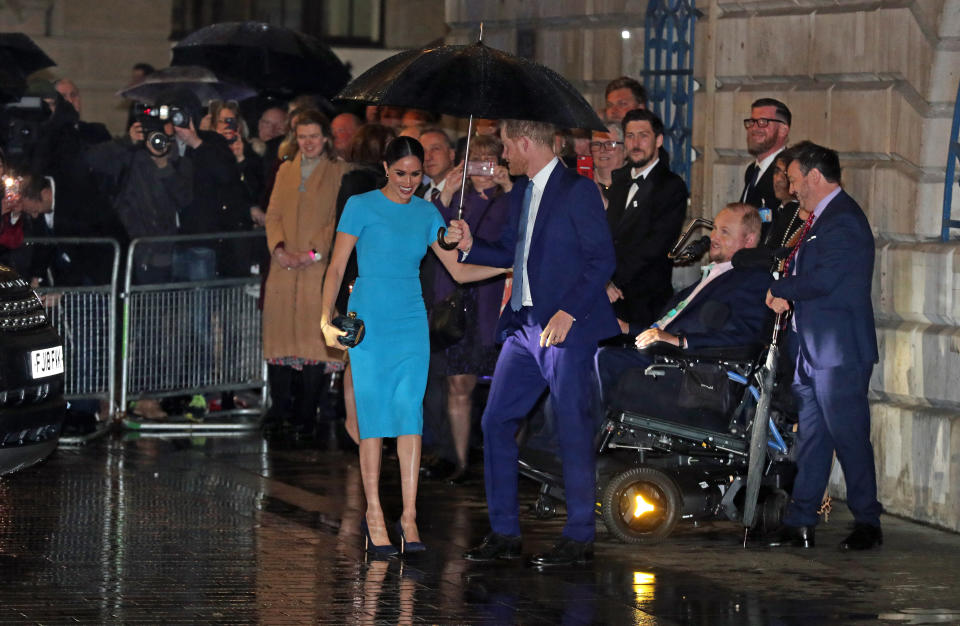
(443, 244)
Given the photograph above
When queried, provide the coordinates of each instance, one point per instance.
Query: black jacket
(220, 200)
(643, 234)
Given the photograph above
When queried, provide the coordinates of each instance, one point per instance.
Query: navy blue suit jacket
(831, 290)
(729, 311)
(570, 261)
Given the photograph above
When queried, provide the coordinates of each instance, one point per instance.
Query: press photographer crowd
(549, 269)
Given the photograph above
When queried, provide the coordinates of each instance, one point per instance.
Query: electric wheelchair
(692, 436)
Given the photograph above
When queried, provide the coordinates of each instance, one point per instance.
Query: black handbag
(353, 326)
(448, 320)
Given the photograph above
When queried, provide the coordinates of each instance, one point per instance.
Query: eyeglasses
(761, 122)
(605, 145)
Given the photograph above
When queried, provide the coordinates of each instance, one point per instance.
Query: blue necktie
(516, 295)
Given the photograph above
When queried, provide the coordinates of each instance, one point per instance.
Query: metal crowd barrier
(85, 317)
(191, 335)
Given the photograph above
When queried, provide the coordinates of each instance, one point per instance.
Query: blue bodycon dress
(390, 364)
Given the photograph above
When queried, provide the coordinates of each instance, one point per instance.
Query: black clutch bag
(353, 326)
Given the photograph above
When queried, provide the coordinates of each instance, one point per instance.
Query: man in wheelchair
(721, 315)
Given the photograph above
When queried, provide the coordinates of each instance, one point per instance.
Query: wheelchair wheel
(641, 505)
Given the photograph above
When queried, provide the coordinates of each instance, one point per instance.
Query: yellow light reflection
(643, 586)
(641, 506)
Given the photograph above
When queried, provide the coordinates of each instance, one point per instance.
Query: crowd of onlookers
(221, 168)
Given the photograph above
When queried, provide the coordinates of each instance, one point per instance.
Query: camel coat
(302, 221)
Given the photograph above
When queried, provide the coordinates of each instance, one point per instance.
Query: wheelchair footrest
(708, 440)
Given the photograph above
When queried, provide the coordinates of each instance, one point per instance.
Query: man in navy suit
(724, 308)
(557, 240)
(828, 285)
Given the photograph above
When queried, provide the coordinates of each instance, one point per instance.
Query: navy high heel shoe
(372, 548)
(408, 546)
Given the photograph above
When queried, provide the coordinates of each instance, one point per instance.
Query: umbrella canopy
(201, 81)
(474, 80)
(270, 58)
(19, 57)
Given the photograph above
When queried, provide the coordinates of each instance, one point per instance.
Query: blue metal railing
(953, 155)
(668, 75)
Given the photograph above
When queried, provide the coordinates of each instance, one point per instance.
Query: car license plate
(47, 362)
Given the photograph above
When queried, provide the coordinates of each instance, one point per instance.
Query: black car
(32, 406)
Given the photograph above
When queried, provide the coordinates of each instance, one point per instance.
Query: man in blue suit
(828, 285)
(557, 240)
(724, 308)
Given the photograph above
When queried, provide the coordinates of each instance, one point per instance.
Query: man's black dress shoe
(565, 552)
(863, 537)
(793, 537)
(495, 546)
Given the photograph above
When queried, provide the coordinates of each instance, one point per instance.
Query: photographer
(220, 202)
(227, 122)
(149, 184)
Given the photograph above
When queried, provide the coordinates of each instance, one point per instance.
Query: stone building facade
(876, 80)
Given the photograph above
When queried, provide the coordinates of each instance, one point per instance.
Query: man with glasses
(647, 206)
(768, 129)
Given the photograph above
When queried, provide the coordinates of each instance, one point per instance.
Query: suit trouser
(523, 371)
(833, 415)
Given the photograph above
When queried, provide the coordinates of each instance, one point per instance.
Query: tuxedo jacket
(830, 292)
(762, 193)
(643, 233)
(730, 311)
(570, 259)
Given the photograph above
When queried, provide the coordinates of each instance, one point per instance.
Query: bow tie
(639, 180)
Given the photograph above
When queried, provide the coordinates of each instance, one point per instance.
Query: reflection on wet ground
(233, 530)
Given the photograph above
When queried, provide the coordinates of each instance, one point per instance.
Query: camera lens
(158, 142)
(178, 118)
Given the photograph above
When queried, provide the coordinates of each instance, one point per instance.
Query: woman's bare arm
(342, 247)
(464, 272)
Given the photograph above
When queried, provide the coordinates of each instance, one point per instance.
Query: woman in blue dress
(391, 230)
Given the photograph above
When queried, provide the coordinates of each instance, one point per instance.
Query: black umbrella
(473, 80)
(270, 58)
(19, 57)
(201, 81)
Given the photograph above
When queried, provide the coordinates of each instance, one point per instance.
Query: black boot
(305, 405)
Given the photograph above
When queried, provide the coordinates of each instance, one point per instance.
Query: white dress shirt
(634, 172)
(539, 182)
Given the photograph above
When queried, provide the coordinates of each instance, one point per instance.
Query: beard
(642, 163)
(756, 149)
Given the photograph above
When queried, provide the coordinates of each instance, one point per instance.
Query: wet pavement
(235, 530)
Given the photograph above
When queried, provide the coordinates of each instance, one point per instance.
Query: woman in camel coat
(300, 223)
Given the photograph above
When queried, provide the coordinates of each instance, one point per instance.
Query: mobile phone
(12, 187)
(585, 166)
(480, 168)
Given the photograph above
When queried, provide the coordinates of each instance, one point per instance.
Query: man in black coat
(647, 206)
(220, 200)
(768, 129)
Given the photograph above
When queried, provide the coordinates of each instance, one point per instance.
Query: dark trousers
(524, 370)
(833, 415)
